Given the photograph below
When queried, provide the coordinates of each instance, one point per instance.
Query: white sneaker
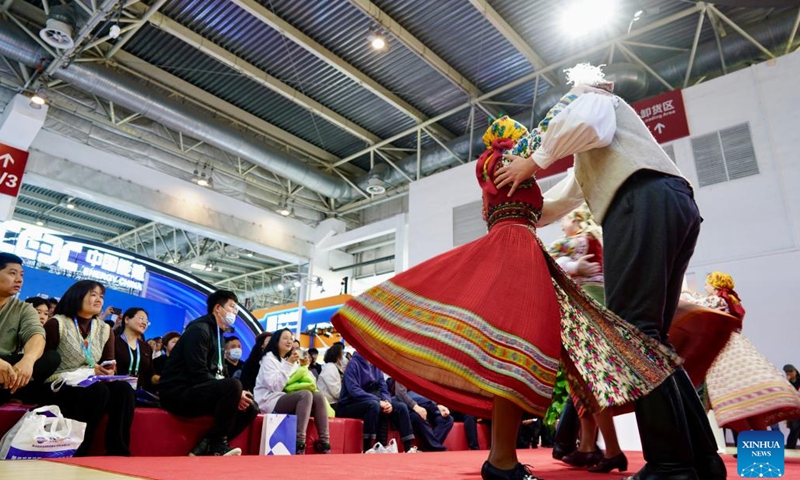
(377, 448)
(413, 450)
(390, 447)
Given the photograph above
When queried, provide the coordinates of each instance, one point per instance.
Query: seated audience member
(42, 308)
(83, 341)
(470, 428)
(253, 362)
(51, 302)
(330, 379)
(169, 340)
(313, 366)
(279, 363)
(233, 356)
(157, 346)
(432, 422)
(296, 344)
(193, 382)
(794, 425)
(365, 395)
(21, 374)
(132, 353)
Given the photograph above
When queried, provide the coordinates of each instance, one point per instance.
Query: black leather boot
(707, 462)
(567, 432)
(666, 444)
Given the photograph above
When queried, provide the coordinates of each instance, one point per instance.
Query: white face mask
(157, 354)
(235, 354)
(230, 319)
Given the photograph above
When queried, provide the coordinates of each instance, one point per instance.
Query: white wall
(752, 225)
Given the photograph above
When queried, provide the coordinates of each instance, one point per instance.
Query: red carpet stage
(447, 465)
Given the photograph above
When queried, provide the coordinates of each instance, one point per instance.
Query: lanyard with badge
(87, 350)
(220, 372)
(133, 371)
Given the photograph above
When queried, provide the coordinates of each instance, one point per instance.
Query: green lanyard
(133, 371)
(87, 350)
(220, 374)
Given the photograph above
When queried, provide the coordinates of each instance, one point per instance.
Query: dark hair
(169, 336)
(313, 351)
(220, 297)
(36, 301)
(790, 368)
(72, 300)
(335, 353)
(295, 340)
(253, 363)
(272, 345)
(6, 258)
(231, 338)
(157, 339)
(129, 313)
(51, 301)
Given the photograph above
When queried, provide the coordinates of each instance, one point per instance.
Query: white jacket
(271, 380)
(330, 382)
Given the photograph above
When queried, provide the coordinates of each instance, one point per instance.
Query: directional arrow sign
(6, 158)
(12, 166)
(664, 115)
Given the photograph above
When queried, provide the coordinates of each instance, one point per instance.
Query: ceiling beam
(259, 76)
(285, 28)
(513, 38)
(54, 203)
(415, 45)
(218, 105)
(581, 56)
(67, 217)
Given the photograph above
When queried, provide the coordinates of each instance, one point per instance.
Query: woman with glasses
(133, 354)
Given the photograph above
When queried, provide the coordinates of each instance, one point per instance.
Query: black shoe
(300, 448)
(519, 472)
(200, 449)
(322, 447)
(220, 448)
(583, 459)
(619, 462)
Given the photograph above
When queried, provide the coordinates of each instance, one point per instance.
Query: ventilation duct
(61, 22)
(138, 98)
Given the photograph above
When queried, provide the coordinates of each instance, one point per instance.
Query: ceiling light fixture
(38, 100)
(377, 39)
(203, 180)
(585, 16)
(283, 208)
(280, 287)
(40, 222)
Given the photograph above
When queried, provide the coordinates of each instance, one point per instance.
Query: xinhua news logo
(761, 454)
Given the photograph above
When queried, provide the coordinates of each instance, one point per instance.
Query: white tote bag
(42, 433)
(278, 434)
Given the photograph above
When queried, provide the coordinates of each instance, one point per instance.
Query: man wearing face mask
(193, 383)
(233, 356)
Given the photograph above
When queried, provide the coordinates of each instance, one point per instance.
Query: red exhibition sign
(664, 115)
(12, 166)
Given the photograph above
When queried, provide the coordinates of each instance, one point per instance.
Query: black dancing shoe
(201, 449)
(322, 447)
(619, 462)
(519, 472)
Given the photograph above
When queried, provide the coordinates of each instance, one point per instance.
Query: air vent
(724, 155)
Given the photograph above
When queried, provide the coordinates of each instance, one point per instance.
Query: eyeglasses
(140, 319)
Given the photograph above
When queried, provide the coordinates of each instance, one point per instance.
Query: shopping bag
(278, 434)
(42, 433)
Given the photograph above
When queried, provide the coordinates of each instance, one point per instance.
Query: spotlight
(114, 31)
(195, 176)
(68, 203)
(280, 287)
(283, 208)
(377, 39)
(203, 180)
(38, 100)
(585, 16)
(275, 301)
(40, 223)
(209, 267)
(296, 284)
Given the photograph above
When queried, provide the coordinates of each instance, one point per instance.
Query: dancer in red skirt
(484, 326)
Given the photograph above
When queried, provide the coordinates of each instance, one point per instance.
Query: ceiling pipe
(139, 98)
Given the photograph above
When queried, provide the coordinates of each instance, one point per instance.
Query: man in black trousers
(194, 384)
(650, 227)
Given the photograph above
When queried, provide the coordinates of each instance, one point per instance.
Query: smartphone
(108, 363)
